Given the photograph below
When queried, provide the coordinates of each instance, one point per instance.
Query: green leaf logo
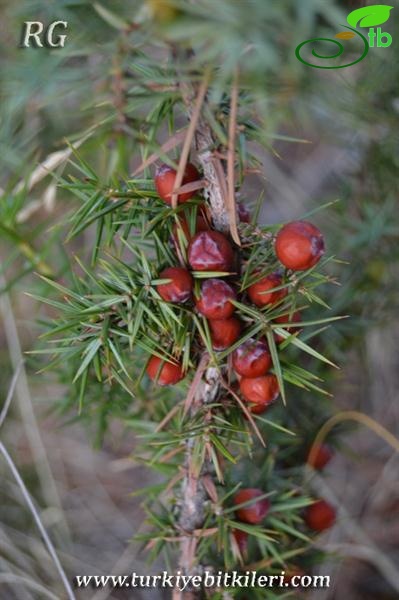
(369, 16)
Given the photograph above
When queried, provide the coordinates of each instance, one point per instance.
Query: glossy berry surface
(299, 245)
(165, 178)
(260, 391)
(163, 372)
(210, 251)
(215, 299)
(321, 457)
(179, 289)
(252, 358)
(224, 332)
(320, 516)
(260, 292)
(255, 512)
(290, 318)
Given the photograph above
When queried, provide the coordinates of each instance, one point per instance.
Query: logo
(368, 17)
(36, 35)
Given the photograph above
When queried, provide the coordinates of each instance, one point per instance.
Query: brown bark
(193, 493)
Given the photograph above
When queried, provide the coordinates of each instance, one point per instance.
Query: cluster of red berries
(319, 516)
(299, 245)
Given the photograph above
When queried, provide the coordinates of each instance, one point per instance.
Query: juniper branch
(216, 189)
(193, 493)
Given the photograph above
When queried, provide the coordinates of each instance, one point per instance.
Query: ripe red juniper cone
(179, 289)
(255, 512)
(321, 457)
(259, 292)
(210, 251)
(290, 318)
(320, 516)
(252, 358)
(215, 299)
(241, 537)
(165, 177)
(299, 245)
(224, 332)
(260, 391)
(163, 372)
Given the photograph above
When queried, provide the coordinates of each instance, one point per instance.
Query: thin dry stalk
(189, 138)
(352, 415)
(169, 145)
(245, 411)
(48, 543)
(25, 405)
(38, 521)
(231, 204)
(10, 393)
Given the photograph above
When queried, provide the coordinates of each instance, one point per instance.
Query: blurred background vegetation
(349, 120)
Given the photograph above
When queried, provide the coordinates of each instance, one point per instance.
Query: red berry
(179, 288)
(320, 516)
(165, 177)
(289, 318)
(255, 512)
(261, 391)
(241, 537)
(210, 251)
(299, 245)
(224, 332)
(182, 227)
(163, 372)
(243, 213)
(252, 358)
(215, 299)
(259, 292)
(322, 456)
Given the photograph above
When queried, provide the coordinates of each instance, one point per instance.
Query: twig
(246, 412)
(194, 494)
(207, 153)
(189, 138)
(197, 488)
(172, 413)
(195, 383)
(171, 143)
